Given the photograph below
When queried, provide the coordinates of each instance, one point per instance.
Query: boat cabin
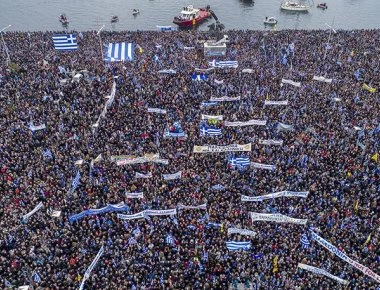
(189, 13)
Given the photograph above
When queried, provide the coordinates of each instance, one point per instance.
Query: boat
(63, 19)
(270, 20)
(322, 6)
(114, 19)
(192, 16)
(294, 6)
(135, 11)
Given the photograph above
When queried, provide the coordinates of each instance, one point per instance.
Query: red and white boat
(191, 16)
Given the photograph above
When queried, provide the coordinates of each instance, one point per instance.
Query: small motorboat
(322, 6)
(63, 19)
(192, 16)
(114, 19)
(135, 11)
(270, 20)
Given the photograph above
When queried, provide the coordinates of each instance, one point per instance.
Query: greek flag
(36, 277)
(170, 240)
(123, 51)
(47, 154)
(239, 161)
(210, 131)
(305, 241)
(232, 246)
(65, 41)
(132, 241)
(76, 181)
(136, 231)
(223, 64)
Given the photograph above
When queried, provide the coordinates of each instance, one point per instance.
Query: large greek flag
(123, 51)
(223, 64)
(65, 41)
(233, 246)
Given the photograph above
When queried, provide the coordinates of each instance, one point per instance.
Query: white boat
(270, 20)
(294, 6)
(135, 11)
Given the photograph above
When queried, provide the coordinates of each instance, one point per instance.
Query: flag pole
(5, 46)
(100, 42)
(328, 40)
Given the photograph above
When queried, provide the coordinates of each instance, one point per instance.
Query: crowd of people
(330, 152)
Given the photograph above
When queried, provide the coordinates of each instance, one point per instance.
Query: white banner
(188, 47)
(157, 212)
(276, 103)
(172, 176)
(156, 110)
(218, 82)
(37, 128)
(225, 99)
(247, 70)
(275, 195)
(263, 166)
(344, 257)
(227, 148)
(134, 195)
(202, 206)
(26, 216)
(271, 142)
(242, 232)
(247, 123)
(125, 160)
(276, 217)
(210, 117)
(138, 215)
(322, 272)
(140, 175)
(290, 82)
(322, 79)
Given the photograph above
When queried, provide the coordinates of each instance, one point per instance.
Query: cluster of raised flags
(47, 154)
(123, 51)
(36, 277)
(65, 42)
(199, 77)
(169, 240)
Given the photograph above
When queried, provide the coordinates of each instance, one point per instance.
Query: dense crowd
(326, 154)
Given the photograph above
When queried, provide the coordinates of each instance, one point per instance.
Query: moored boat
(192, 16)
(270, 20)
(294, 6)
(63, 19)
(135, 11)
(322, 6)
(114, 19)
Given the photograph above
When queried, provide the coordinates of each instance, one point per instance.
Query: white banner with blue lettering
(202, 206)
(225, 99)
(344, 257)
(322, 79)
(271, 142)
(242, 232)
(148, 212)
(290, 82)
(157, 110)
(247, 123)
(276, 103)
(322, 272)
(210, 117)
(274, 195)
(173, 176)
(263, 166)
(276, 217)
(134, 195)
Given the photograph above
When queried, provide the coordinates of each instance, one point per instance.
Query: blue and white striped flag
(132, 241)
(305, 241)
(170, 240)
(223, 64)
(47, 154)
(210, 131)
(136, 232)
(233, 246)
(123, 51)
(76, 181)
(239, 161)
(65, 41)
(199, 77)
(36, 277)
